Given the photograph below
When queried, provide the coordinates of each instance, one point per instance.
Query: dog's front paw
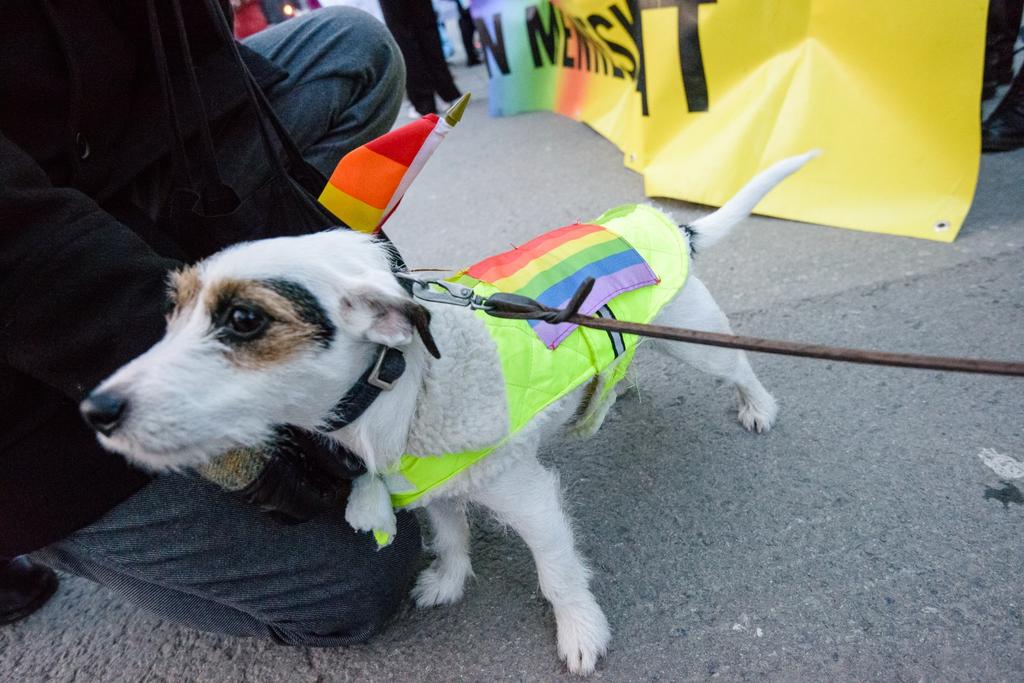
(369, 506)
(583, 636)
(758, 415)
(440, 584)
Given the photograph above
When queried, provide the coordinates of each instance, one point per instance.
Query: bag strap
(310, 179)
(217, 196)
(180, 172)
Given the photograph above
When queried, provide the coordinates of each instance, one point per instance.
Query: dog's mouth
(172, 451)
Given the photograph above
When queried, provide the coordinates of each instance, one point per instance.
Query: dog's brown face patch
(262, 322)
(184, 286)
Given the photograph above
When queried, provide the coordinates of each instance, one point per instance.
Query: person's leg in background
(468, 30)
(25, 586)
(1003, 130)
(418, 87)
(182, 547)
(414, 25)
(430, 49)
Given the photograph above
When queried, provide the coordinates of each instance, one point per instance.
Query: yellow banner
(702, 94)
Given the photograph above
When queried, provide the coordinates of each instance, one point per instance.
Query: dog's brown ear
(387, 320)
(419, 316)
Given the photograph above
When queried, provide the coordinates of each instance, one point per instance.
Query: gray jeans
(186, 550)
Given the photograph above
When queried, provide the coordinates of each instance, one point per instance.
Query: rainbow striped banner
(550, 268)
(700, 95)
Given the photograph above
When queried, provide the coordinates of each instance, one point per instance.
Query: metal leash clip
(453, 294)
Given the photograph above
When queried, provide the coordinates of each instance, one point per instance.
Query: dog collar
(387, 367)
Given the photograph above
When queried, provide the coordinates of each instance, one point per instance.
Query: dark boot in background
(25, 586)
(1004, 129)
(1004, 18)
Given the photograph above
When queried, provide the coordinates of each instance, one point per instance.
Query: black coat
(81, 292)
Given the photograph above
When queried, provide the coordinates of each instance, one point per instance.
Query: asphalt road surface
(864, 538)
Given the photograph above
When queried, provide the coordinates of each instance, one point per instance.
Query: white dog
(274, 332)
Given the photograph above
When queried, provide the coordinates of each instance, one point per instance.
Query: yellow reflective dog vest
(542, 363)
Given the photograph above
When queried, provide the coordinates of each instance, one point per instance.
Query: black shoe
(998, 72)
(1004, 129)
(1003, 26)
(25, 586)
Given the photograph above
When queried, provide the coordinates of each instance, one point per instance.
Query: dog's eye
(246, 322)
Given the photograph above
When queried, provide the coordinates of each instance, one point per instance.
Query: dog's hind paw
(596, 410)
(758, 415)
(440, 585)
(583, 637)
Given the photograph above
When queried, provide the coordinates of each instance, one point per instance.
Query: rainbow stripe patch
(551, 267)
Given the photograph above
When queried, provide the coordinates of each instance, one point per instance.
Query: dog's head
(262, 334)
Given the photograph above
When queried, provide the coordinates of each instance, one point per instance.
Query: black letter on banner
(593, 45)
(567, 31)
(494, 44)
(691, 61)
(582, 43)
(596, 20)
(690, 57)
(634, 26)
(539, 36)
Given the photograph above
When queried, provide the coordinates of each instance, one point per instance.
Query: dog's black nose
(104, 411)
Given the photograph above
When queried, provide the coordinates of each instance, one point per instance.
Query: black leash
(517, 307)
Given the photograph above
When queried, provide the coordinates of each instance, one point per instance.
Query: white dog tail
(706, 231)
